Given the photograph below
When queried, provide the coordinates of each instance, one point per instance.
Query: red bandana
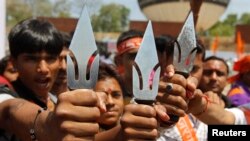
(129, 44)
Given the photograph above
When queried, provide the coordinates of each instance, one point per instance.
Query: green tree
(227, 27)
(111, 18)
(92, 5)
(61, 8)
(18, 10)
(224, 28)
(245, 19)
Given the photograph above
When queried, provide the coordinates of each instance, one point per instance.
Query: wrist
(203, 109)
(43, 127)
(33, 130)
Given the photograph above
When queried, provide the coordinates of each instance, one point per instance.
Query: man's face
(10, 72)
(197, 67)
(214, 76)
(37, 71)
(114, 103)
(62, 73)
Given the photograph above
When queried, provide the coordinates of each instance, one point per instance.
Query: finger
(161, 112)
(129, 120)
(102, 98)
(71, 112)
(172, 110)
(177, 79)
(141, 110)
(140, 134)
(195, 102)
(169, 71)
(175, 90)
(80, 129)
(79, 97)
(192, 83)
(73, 138)
(70, 137)
(175, 101)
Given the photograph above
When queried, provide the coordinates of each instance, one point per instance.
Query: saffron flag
(240, 45)
(214, 45)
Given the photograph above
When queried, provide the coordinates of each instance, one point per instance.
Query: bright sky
(235, 6)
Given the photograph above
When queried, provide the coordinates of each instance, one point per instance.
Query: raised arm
(75, 117)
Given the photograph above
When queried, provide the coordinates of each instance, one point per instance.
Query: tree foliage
(111, 18)
(245, 19)
(227, 27)
(18, 10)
(93, 6)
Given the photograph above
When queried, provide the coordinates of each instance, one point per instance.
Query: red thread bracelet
(205, 109)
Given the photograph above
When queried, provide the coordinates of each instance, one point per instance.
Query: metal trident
(83, 61)
(185, 47)
(184, 52)
(145, 67)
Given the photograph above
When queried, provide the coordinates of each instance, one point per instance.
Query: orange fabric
(186, 130)
(129, 44)
(240, 45)
(242, 66)
(215, 45)
(235, 91)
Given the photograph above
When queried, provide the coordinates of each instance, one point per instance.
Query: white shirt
(173, 134)
(4, 97)
(239, 115)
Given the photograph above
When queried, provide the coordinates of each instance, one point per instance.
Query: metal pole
(2, 27)
(195, 7)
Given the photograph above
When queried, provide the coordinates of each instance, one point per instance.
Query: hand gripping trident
(82, 71)
(146, 62)
(185, 51)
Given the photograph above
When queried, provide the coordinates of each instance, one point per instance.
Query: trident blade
(83, 50)
(145, 62)
(185, 47)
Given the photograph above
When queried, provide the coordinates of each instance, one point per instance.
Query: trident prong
(185, 47)
(83, 60)
(145, 63)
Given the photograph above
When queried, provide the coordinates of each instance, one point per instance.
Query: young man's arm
(74, 117)
(17, 116)
(209, 110)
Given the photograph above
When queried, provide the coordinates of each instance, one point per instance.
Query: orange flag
(240, 45)
(214, 45)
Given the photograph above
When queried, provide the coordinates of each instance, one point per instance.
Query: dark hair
(165, 43)
(109, 71)
(129, 34)
(34, 35)
(201, 49)
(219, 59)
(66, 39)
(3, 64)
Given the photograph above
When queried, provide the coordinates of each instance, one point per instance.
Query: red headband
(129, 44)
(242, 66)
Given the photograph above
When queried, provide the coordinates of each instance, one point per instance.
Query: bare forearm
(18, 117)
(216, 114)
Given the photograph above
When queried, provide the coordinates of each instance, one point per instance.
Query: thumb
(102, 98)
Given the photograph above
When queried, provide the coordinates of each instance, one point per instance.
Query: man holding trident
(148, 130)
